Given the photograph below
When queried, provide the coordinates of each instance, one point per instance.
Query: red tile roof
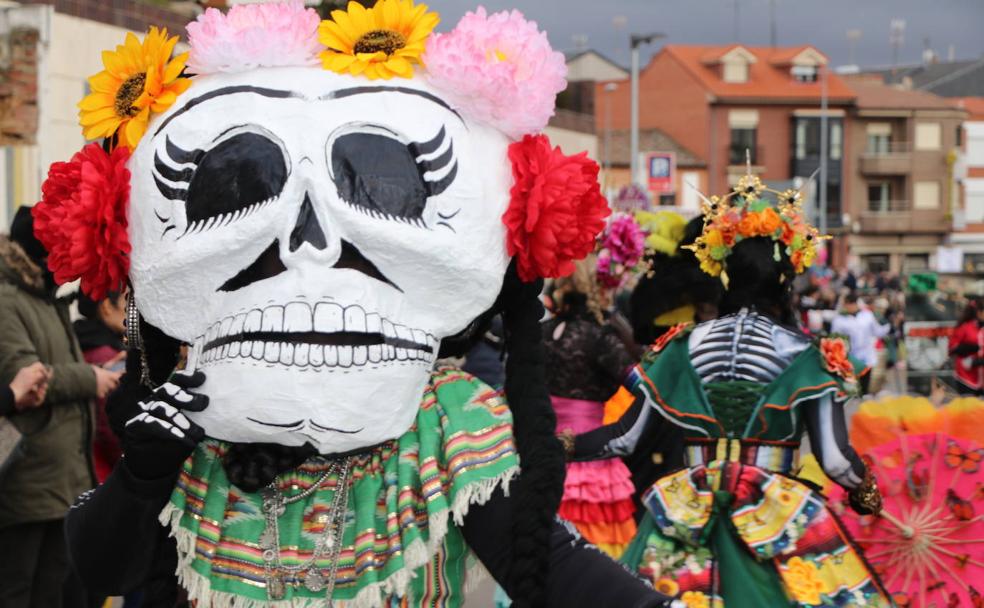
(874, 96)
(769, 77)
(973, 105)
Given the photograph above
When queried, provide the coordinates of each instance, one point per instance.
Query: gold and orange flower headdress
(744, 213)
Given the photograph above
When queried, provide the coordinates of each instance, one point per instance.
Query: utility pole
(607, 161)
(773, 36)
(853, 36)
(635, 41)
(822, 190)
(896, 38)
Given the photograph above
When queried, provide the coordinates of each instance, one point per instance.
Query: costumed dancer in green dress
(318, 217)
(735, 528)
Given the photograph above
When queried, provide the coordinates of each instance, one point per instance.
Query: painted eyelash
(226, 218)
(379, 215)
(423, 149)
(163, 171)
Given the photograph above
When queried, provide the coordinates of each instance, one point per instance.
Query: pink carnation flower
(625, 239)
(254, 35)
(498, 69)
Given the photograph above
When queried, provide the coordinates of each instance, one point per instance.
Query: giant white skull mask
(314, 236)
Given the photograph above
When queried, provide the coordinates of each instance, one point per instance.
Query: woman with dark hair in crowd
(967, 349)
(732, 526)
(100, 333)
(585, 364)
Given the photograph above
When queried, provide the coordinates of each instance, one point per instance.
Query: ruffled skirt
(597, 495)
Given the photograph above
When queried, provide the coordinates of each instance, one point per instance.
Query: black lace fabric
(585, 360)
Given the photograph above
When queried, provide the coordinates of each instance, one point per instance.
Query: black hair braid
(538, 490)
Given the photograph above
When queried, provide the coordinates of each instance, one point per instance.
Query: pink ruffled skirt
(597, 495)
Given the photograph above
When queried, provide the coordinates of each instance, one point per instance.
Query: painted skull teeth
(326, 335)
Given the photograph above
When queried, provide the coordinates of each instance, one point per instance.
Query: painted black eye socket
(226, 182)
(384, 177)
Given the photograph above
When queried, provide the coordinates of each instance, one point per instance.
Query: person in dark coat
(53, 466)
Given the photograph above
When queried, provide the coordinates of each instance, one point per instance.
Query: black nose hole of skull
(307, 229)
(378, 175)
(269, 265)
(266, 266)
(234, 177)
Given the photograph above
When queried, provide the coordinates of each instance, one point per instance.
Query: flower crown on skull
(498, 70)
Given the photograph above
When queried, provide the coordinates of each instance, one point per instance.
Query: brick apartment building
(900, 181)
(716, 102)
(968, 226)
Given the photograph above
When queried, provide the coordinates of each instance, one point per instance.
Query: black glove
(158, 440)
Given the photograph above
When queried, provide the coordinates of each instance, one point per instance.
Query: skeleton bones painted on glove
(313, 211)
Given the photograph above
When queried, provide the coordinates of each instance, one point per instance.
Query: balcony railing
(893, 148)
(898, 216)
(878, 207)
(895, 159)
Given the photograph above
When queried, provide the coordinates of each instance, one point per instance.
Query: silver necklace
(327, 546)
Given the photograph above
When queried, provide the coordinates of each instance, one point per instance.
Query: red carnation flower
(556, 208)
(81, 219)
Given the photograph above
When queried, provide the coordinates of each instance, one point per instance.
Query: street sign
(660, 169)
(631, 198)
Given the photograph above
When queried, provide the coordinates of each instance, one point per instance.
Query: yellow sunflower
(140, 78)
(379, 42)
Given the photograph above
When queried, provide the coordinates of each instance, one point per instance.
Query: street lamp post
(824, 153)
(635, 41)
(607, 161)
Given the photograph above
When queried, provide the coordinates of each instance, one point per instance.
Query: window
(804, 73)
(975, 150)
(915, 262)
(879, 197)
(807, 142)
(974, 208)
(742, 140)
(926, 195)
(836, 140)
(929, 136)
(959, 136)
(735, 70)
(875, 263)
(667, 199)
(879, 138)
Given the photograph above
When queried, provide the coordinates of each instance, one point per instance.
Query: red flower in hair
(556, 208)
(668, 337)
(81, 219)
(835, 357)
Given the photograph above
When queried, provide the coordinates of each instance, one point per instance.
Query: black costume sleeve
(620, 438)
(6, 401)
(580, 574)
(827, 428)
(115, 542)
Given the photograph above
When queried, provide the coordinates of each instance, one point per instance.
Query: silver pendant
(275, 587)
(268, 539)
(314, 581)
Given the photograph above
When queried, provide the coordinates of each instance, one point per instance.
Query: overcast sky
(822, 23)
